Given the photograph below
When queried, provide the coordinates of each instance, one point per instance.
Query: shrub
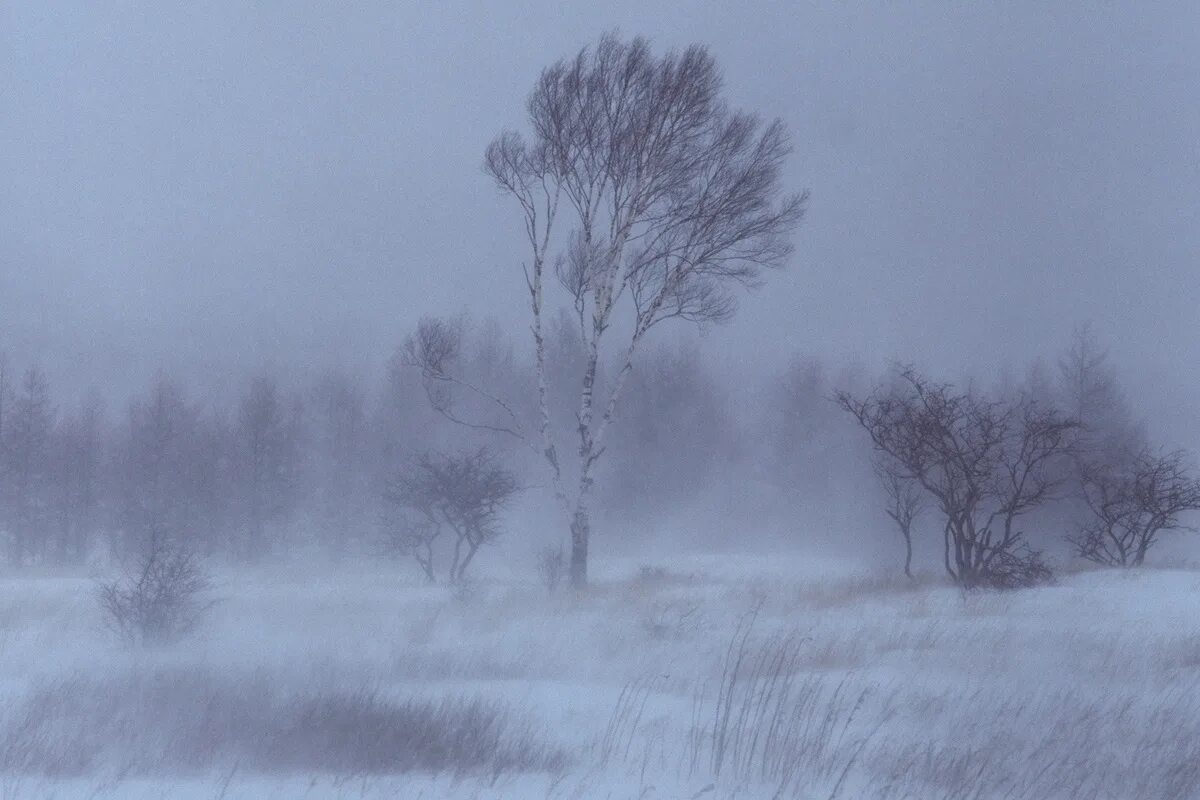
(1131, 505)
(1021, 569)
(162, 597)
(464, 493)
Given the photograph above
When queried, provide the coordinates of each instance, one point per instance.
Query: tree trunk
(908, 554)
(946, 553)
(580, 531)
(472, 548)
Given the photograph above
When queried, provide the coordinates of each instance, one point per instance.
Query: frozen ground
(714, 678)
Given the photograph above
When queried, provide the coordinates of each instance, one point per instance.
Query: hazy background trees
(28, 456)
(157, 461)
(707, 454)
(78, 491)
(340, 456)
(678, 436)
(267, 463)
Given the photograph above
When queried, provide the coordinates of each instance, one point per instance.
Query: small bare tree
(162, 595)
(1131, 505)
(413, 538)
(905, 502)
(464, 493)
(985, 463)
(639, 189)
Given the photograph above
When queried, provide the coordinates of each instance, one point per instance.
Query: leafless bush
(162, 597)
(463, 493)
(551, 567)
(985, 463)
(171, 720)
(1017, 569)
(1131, 505)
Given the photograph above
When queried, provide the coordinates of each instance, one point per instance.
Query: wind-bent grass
(188, 720)
(740, 686)
(768, 724)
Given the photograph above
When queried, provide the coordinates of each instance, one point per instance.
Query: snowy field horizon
(702, 676)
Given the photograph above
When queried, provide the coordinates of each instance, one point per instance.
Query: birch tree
(643, 198)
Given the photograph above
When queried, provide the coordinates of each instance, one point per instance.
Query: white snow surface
(1086, 688)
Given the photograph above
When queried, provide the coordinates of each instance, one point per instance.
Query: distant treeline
(289, 464)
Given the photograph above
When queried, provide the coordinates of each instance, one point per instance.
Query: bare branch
(463, 492)
(1130, 505)
(984, 463)
(435, 349)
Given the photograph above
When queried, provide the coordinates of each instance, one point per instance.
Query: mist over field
(635, 400)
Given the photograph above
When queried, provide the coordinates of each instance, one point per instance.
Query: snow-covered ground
(708, 678)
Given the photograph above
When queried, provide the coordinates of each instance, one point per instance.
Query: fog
(240, 184)
(265, 340)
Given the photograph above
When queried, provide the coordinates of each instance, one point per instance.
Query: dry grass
(866, 687)
(189, 720)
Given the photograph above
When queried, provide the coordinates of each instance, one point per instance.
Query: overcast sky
(234, 183)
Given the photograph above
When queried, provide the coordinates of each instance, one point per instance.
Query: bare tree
(905, 502)
(162, 595)
(985, 463)
(1131, 505)
(464, 493)
(641, 190)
